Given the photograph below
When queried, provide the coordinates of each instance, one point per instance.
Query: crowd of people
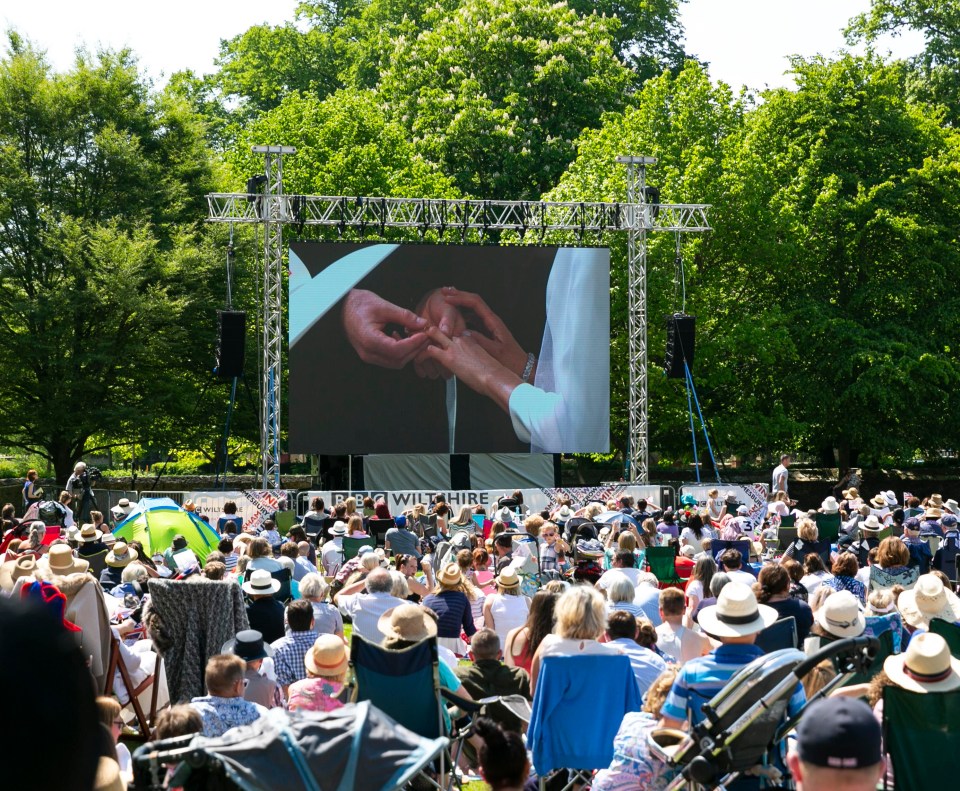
(502, 591)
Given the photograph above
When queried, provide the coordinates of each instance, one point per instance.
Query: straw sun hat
(928, 599)
(327, 657)
(841, 615)
(926, 665)
(407, 622)
(121, 555)
(450, 574)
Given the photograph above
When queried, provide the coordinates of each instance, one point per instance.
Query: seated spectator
(489, 677)
(271, 535)
(400, 539)
(624, 564)
(698, 588)
(927, 600)
(366, 608)
(503, 547)
(108, 710)
(647, 596)
(229, 523)
(289, 650)
(620, 595)
(223, 707)
(717, 584)
(634, 767)
(261, 556)
(287, 564)
(303, 564)
(250, 647)
(837, 747)
(795, 572)
(675, 640)
(214, 570)
(522, 643)
(647, 665)
(326, 617)
(117, 559)
(731, 562)
(409, 565)
(451, 602)
(504, 764)
(323, 688)
(90, 541)
(773, 589)
(331, 554)
(919, 550)
(181, 720)
(264, 612)
(355, 527)
(299, 537)
(808, 535)
(581, 620)
(815, 573)
(845, 569)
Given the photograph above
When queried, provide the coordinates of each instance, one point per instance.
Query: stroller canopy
(156, 520)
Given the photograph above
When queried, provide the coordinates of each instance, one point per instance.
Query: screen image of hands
(453, 333)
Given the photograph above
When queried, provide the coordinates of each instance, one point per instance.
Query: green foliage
(498, 91)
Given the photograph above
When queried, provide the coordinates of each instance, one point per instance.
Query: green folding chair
(949, 632)
(660, 561)
(790, 520)
(828, 526)
(920, 735)
(285, 520)
(351, 546)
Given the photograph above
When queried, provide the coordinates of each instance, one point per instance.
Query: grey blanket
(189, 621)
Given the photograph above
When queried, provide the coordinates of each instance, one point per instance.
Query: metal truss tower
(637, 217)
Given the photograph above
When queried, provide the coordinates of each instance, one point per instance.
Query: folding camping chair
(355, 747)
(920, 735)
(578, 705)
(743, 545)
(134, 691)
(351, 546)
(778, 635)
(949, 632)
(884, 580)
(660, 561)
(745, 720)
(828, 527)
(405, 685)
(945, 558)
(378, 529)
(788, 521)
(785, 537)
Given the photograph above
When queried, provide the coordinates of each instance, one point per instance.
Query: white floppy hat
(926, 665)
(928, 599)
(736, 613)
(261, 582)
(841, 615)
(830, 505)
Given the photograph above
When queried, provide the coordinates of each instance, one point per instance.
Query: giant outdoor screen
(448, 349)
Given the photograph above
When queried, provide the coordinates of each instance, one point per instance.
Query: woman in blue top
(845, 569)
(31, 492)
(230, 522)
(451, 603)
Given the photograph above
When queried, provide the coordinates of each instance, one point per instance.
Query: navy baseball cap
(912, 524)
(949, 521)
(839, 733)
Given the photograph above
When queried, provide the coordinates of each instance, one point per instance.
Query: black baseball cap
(839, 733)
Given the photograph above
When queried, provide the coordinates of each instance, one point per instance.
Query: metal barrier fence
(105, 499)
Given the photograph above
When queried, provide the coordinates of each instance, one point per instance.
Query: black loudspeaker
(231, 334)
(681, 333)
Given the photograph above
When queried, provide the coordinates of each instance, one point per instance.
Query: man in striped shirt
(735, 620)
(230, 558)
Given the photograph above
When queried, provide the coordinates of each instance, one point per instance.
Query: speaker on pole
(231, 335)
(681, 334)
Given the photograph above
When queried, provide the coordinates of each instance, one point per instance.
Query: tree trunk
(63, 461)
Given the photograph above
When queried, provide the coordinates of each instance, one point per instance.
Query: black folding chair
(378, 529)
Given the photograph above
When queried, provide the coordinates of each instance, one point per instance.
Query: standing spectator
(264, 612)
(326, 617)
(781, 476)
(289, 650)
(451, 602)
(229, 523)
(506, 609)
(31, 492)
(223, 707)
(251, 648)
(326, 663)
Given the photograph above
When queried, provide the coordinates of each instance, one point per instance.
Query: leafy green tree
(498, 91)
(101, 203)
(936, 75)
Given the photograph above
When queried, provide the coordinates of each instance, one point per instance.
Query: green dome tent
(156, 520)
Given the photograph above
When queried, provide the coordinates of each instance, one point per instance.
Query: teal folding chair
(351, 546)
(920, 735)
(949, 632)
(828, 526)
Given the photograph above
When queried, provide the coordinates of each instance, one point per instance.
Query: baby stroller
(304, 750)
(745, 720)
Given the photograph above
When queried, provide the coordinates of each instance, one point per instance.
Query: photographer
(80, 485)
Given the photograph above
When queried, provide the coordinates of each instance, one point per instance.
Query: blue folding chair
(599, 690)
(778, 635)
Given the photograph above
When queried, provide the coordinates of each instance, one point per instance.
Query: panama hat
(871, 524)
(879, 501)
(450, 574)
(851, 494)
(926, 665)
(60, 560)
(407, 622)
(327, 657)
(928, 599)
(508, 578)
(13, 570)
(736, 613)
(339, 528)
(89, 534)
(932, 513)
(122, 508)
(121, 555)
(261, 582)
(830, 505)
(565, 512)
(841, 615)
(248, 645)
